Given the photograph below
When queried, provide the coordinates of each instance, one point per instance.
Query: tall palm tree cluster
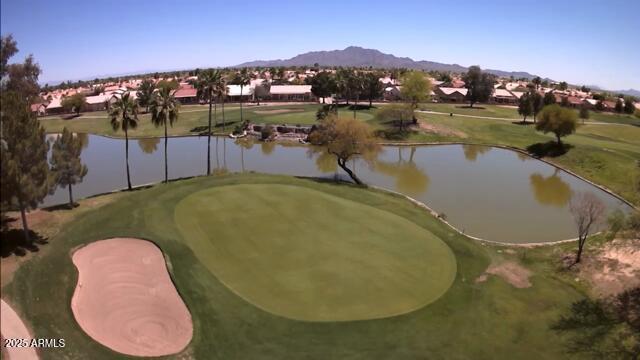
(164, 109)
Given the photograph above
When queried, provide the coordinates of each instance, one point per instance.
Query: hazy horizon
(584, 42)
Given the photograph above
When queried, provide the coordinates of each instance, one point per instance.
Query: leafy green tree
(19, 78)
(262, 91)
(221, 92)
(619, 106)
(323, 85)
(207, 90)
(145, 93)
(557, 120)
(479, 85)
(525, 107)
(66, 165)
(395, 114)
(584, 113)
(585, 89)
(629, 107)
(564, 101)
(345, 138)
(600, 105)
(123, 114)
(170, 84)
(75, 103)
(563, 86)
(356, 88)
(8, 48)
(24, 170)
(537, 104)
(606, 328)
(164, 110)
(548, 99)
(416, 88)
(536, 81)
(373, 88)
(343, 80)
(243, 79)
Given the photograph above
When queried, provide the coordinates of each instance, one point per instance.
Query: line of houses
(453, 91)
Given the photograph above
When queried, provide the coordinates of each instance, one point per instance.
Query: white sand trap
(126, 301)
(13, 328)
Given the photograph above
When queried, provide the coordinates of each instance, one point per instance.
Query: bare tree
(587, 210)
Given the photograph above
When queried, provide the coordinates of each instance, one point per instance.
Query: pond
(490, 193)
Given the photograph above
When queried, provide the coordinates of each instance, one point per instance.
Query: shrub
(266, 132)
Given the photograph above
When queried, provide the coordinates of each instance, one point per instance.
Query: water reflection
(148, 145)
(84, 139)
(471, 152)
(409, 178)
(552, 190)
(496, 195)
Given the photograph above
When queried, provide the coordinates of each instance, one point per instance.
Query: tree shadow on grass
(548, 149)
(393, 133)
(12, 242)
(525, 123)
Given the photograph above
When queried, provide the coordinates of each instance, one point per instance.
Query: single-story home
(55, 106)
(291, 93)
(589, 103)
(234, 91)
(449, 94)
(186, 94)
(391, 93)
(97, 102)
(503, 96)
(39, 109)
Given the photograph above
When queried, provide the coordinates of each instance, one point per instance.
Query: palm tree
(206, 85)
(145, 93)
(243, 79)
(164, 109)
(123, 114)
(221, 91)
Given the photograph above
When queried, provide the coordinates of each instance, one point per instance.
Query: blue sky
(582, 42)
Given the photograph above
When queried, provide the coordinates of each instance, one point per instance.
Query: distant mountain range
(361, 57)
(631, 92)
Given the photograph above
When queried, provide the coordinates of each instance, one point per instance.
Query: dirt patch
(276, 111)
(509, 271)
(126, 300)
(615, 268)
(440, 130)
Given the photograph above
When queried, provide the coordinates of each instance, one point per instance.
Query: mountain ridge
(359, 56)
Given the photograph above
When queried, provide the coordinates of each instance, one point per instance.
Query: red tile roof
(186, 91)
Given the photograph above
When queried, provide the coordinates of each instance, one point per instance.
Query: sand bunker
(614, 269)
(126, 301)
(277, 111)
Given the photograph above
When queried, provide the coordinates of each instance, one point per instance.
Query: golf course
(306, 269)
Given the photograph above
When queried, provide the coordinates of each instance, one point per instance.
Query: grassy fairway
(194, 118)
(479, 320)
(307, 255)
(511, 112)
(605, 154)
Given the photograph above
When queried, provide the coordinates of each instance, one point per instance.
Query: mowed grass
(479, 320)
(605, 154)
(308, 255)
(194, 119)
(511, 112)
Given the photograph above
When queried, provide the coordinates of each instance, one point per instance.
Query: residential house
(55, 106)
(450, 94)
(234, 91)
(291, 93)
(391, 93)
(97, 102)
(503, 96)
(39, 109)
(186, 94)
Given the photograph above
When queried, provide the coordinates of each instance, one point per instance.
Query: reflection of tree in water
(410, 179)
(84, 139)
(221, 167)
(522, 156)
(148, 145)
(326, 163)
(267, 147)
(244, 143)
(471, 152)
(551, 190)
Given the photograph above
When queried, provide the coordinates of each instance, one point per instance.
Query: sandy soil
(510, 272)
(126, 300)
(440, 130)
(614, 269)
(277, 111)
(12, 327)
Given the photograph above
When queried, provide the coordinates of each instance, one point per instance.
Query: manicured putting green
(308, 255)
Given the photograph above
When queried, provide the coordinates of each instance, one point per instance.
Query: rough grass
(489, 320)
